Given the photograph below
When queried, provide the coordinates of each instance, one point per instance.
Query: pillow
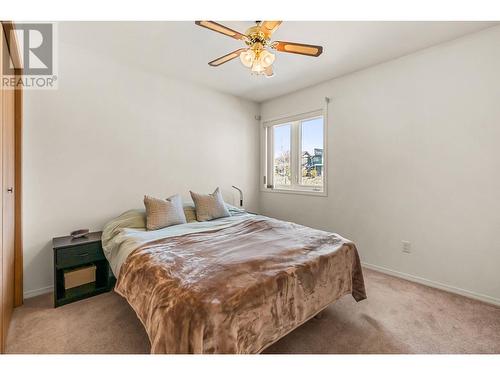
(134, 219)
(190, 212)
(161, 213)
(209, 207)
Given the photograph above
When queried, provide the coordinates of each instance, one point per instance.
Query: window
(281, 151)
(295, 154)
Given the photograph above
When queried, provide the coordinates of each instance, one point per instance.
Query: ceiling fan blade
(298, 48)
(269, 71)
(224, 59)
(270, 26)
(214, 26)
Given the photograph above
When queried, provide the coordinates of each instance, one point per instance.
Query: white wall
(414, 154)
(412, 143)
(110, 134)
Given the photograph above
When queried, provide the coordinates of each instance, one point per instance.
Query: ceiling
(182, 49)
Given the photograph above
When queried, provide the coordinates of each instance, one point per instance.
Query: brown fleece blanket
(237, 289)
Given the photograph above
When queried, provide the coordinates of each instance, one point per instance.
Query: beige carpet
(398, 317)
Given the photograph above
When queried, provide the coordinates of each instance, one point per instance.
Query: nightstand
(71, 254)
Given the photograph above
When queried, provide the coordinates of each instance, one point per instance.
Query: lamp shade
(266, 58)
(257, 67)
(247, 58)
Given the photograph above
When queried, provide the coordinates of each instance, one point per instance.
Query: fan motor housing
(257, 34)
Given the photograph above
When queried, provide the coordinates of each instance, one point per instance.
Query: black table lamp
(241, 195)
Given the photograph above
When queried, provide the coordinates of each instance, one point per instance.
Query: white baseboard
(37, 292)
(434, 284)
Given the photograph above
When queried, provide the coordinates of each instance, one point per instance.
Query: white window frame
(267, 152)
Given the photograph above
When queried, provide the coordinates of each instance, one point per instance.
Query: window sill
(296, 191)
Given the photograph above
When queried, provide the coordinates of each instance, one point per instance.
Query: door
(2, 46)
(8, 204)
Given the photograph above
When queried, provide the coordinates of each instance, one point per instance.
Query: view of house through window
(297, 154)
(312, 152)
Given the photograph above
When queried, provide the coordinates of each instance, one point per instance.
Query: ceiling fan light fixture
(247, 58)
(256, 55)
(266, 58)
(258, 68)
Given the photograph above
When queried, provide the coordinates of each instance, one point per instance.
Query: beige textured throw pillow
(190, 212)
(161, 213)
(209, 207)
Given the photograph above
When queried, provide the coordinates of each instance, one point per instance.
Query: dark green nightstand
(72, 253)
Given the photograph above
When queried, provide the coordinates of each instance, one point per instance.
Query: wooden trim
(13, 47)
(18, 203)
(18, 121)
(2, 317)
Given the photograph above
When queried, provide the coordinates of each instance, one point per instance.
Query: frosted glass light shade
(247, 58)
(266, 58)
(257, 67)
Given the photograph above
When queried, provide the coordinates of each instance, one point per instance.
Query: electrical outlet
(406, 246)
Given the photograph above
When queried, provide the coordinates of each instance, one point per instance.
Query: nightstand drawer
(78, 255)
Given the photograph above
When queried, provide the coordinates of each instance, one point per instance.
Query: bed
(232, 285)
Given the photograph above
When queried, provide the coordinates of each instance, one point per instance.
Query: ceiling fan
(256, 55)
